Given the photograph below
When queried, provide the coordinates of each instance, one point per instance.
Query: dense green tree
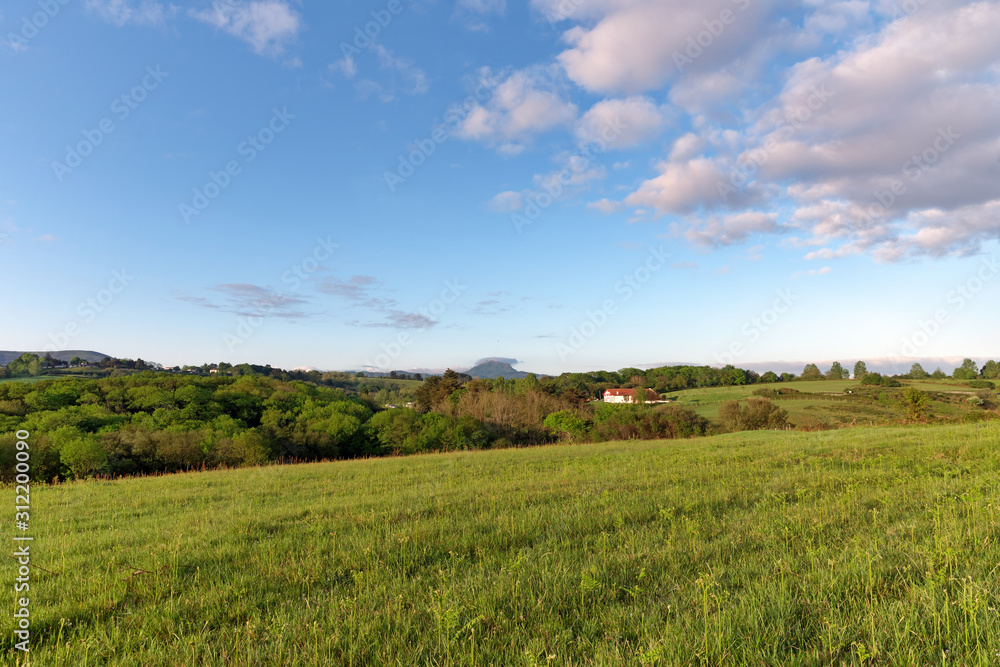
(967, 371)
(811, 372)
(837, 372)
(917, 372)
(991, 370)
(860, 368)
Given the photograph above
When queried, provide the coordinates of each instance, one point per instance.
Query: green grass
(938, 385)
(856, 547)
(706, 401)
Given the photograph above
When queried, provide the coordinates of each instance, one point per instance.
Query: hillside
(6, 356)
(856, 547)
(495, 369)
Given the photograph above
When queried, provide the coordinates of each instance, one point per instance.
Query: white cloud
(901, 157)
(526, 103)
(732, 229)
(639, 46)
(267, 25)
(811, 272)
(686, 185)
(621, 123)
(473, 12)
(122, 12)
(346, 66)
(507, 202)
(605, 206)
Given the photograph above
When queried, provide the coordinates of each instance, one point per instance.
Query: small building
(629, 396)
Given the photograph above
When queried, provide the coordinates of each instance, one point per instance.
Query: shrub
(84, 457)
(982, 384)
(752, 415)
(873, 379)
(567, 424)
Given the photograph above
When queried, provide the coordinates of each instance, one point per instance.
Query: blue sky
(572, 184)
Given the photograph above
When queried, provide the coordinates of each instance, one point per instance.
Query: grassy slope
(827, 407)
(744, 549)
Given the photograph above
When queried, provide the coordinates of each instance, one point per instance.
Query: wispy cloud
(124, 12)
(368, 293)
(249, 300)
(266, 25)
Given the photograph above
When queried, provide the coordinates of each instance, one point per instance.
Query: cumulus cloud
(637, 46)
(897, 151)
(621, 123)
(267, 25)
(731, 229)
(525, 104)
(888, 146)
(686, 185)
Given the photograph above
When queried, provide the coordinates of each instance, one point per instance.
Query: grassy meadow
(826, 403)
(874, 546)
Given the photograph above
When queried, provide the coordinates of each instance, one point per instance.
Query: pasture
(865, 546)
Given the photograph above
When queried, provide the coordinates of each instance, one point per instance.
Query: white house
(628, 396)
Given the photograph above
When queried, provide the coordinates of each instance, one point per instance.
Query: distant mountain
(494, 369)
(89, 356)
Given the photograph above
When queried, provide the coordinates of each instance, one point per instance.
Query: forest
(127, 421)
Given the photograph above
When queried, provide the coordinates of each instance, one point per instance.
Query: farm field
(864, 546)
(822, 404)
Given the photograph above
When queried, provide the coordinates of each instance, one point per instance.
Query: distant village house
(629, 396)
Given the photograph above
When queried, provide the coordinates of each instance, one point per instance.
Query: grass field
(859, 547)
(823, 404)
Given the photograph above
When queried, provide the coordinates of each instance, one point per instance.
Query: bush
(566, 424)
(84, 457)
(982, 384)
(752, 415)
(872, 379)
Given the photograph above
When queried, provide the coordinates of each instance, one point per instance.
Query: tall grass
(856, 547)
